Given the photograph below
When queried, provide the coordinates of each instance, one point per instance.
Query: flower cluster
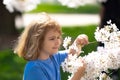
(76, 3)
(104, 58)
(109, 35)
(27, 5)
(101, 60)
(71, 63)
(66, 42)
(20, 5)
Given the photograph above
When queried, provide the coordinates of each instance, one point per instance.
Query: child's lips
(55, 47)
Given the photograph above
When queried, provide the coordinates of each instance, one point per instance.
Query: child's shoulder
(32, 67)
(32, 64)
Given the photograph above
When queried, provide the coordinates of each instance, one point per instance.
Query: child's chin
(54, 52)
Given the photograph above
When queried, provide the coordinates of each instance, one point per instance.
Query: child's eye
(59, 37)
(52, 38)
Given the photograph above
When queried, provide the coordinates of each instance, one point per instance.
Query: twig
(92, 42)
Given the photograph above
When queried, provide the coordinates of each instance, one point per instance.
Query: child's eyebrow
(54, 36)
(51, 36)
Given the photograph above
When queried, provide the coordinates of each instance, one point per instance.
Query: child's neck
(43, 56)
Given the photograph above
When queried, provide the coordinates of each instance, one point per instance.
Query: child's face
(51, 42)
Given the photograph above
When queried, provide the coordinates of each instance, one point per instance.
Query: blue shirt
(48, 69)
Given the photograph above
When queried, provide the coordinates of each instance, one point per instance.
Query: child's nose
(57, 42)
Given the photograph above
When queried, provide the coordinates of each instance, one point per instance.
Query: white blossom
(77, 3)
(72, 63)
(21, 5)
(104, 58)
(66, 42)
(109, 35)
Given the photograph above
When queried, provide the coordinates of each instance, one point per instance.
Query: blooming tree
(27, 5)
(107, 57)
(76, 3)
(9, 11)
(21, 5)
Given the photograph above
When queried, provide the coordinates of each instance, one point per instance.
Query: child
(39, 44)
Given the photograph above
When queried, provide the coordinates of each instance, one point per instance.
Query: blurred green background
(12, 66)
(58, 8)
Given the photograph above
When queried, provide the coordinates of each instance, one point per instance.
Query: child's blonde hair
(30, 42)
